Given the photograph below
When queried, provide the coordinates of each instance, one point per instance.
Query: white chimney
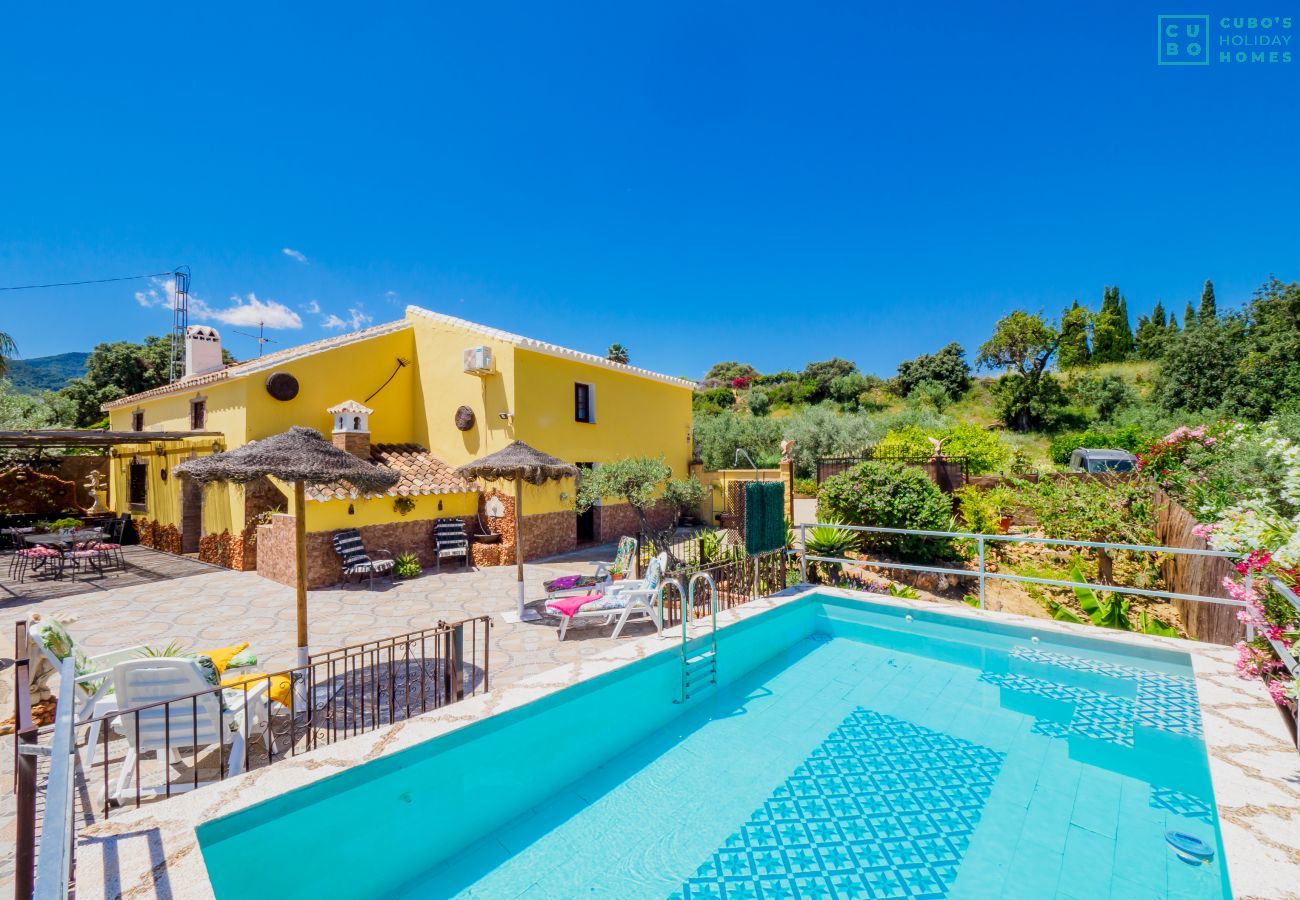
(352, 427)
(202, 350)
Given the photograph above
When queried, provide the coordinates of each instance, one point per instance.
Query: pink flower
(1276, 690)
(1203, 531)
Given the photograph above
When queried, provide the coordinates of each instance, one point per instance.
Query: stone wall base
(545, 534)
(157, 536)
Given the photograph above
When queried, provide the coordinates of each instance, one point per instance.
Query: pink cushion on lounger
(567, 606)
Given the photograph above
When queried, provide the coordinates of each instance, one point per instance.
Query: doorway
(586, 520)
(191, 514)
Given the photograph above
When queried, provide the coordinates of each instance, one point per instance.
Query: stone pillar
(787, 480)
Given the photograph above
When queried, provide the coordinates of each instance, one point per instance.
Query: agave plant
(1108, 609)
(829, 540)
(175, 648)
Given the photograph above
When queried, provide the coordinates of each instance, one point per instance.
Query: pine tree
(1189, 315)
(1208, 311)
(1158, 315)
(1074, 350)
(1173, 324)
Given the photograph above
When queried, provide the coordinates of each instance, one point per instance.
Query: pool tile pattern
(882, 808)
(1142, 698)
(1180, 804)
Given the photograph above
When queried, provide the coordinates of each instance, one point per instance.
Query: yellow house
(423, 394)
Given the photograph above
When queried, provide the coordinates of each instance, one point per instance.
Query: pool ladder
(699, 654)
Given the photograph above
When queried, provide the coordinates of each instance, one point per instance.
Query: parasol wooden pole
(519, 543)
(300, 565)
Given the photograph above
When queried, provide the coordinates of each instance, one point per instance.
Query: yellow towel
(280, 691)
(222, 656)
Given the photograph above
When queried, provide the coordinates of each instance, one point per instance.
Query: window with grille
(137, 420)
(198, 414)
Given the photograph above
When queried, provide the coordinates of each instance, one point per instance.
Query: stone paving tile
(219, 607)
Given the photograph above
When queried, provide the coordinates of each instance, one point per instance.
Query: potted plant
(616, 573)
(407, 565)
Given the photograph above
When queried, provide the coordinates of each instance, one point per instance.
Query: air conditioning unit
(478, 361)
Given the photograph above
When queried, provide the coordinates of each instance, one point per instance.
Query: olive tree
(641, 482)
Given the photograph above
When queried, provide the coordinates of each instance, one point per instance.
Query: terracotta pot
(617, 576)
(1004, 524)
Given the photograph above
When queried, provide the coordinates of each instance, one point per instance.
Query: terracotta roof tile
(421, 473)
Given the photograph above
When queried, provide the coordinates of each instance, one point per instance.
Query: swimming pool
(851, 748)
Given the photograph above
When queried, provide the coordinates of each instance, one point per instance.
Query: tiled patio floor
(218, 607)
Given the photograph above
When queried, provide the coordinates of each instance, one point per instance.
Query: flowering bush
(1243, 484)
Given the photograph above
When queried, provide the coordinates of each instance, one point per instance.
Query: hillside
(45, 373)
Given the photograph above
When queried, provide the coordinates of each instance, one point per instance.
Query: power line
(29, 287)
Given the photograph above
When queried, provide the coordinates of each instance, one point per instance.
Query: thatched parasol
(303, 456)
(519, 463)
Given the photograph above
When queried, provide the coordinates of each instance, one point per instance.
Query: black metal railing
(737, 580)
(694, 547)
(209, 735)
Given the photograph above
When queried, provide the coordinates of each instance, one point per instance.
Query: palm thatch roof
(518, 461)
(299, 454)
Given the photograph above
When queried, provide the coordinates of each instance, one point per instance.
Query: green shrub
(1129, 437)
(982, 510)
(64, 524)
(983, 450)
(890, 495)
(806, 486)
(406, 565)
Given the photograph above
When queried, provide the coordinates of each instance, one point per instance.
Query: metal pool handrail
(983, 574)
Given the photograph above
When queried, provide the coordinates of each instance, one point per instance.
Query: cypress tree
(1158, 315)
(1173, 324)
(1073, 349)
(1189, 315)
(1209, 309)
(1125, 330)
(1112, 338)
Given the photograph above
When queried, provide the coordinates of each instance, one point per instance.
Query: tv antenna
(260, 337)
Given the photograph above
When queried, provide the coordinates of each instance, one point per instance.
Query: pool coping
(155, 850)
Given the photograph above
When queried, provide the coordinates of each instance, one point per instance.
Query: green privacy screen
(764, 516)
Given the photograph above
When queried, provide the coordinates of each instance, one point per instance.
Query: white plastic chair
(211, 718)
(94, 677)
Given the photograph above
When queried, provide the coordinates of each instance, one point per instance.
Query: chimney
(202, 351)
(351, 431)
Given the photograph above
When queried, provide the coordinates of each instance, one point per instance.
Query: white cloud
(249, 310)
(293, 254)
(311, 307)
(356, 320)
(390, 296)
(159, 293)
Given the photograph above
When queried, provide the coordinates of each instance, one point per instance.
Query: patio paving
(216, 607)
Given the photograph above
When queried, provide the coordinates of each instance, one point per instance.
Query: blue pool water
(848, 751)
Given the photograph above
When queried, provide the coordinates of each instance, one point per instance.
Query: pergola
(91, 438)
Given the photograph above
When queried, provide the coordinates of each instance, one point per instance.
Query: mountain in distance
(45, 373)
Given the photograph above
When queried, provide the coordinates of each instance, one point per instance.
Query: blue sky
(766, 182)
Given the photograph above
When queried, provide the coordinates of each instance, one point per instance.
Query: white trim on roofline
(262, 363)
(543, 347)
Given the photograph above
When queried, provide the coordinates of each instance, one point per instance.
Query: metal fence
(694, 547)
(202, 737)
(949, 472)
(982, 574)
(735, 581)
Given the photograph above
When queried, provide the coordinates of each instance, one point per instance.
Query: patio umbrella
(302, 456)
(519, 463)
